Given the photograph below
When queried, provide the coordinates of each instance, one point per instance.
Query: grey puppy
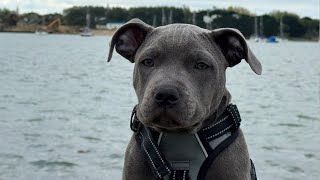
(188, 63)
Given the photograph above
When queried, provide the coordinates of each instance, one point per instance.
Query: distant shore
(60, 30)
(76, 30)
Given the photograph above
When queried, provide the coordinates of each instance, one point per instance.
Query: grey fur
(176, 50)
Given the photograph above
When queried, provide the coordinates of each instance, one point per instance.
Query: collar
(195, 149)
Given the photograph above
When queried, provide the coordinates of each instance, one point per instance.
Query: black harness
(224, 132)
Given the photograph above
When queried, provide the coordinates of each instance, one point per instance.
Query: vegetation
(235, 17)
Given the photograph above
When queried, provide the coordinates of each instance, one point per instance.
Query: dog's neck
(225, 101)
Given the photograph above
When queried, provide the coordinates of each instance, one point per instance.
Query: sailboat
(86, 32)
(281, 38)
(256, 37)
(281, 35)
(41, 30)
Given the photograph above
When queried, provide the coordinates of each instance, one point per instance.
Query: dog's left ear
(234, 47)
(128, 38)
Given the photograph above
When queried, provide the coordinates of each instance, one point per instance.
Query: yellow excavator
(52, 27)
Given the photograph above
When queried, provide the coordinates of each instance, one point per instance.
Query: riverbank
(60, 30)
(98, 32)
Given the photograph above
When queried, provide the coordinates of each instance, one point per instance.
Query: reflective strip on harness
(179, 175)
(156, 160)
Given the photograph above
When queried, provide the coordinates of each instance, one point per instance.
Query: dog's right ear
(128, 38)
(235, 48)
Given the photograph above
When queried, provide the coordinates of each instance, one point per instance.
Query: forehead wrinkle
(169, 38)
(181, 36)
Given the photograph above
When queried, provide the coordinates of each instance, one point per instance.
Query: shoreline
(111, 32)
(75, 30)
(72, 30)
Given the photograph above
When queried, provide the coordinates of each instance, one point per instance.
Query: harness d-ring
(134, 122)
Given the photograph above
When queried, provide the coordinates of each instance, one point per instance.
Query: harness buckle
(135, 124)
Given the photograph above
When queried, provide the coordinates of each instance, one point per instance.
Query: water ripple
(45, 163)
(290, 125)
(295, 169)
(301, 116)
(90, 138)
(310, 155)
(38, 119)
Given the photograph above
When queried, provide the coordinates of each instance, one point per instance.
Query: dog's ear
(128, 38)
(234, 47)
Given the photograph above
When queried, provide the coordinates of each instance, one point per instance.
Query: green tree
(311, 26)
(234, 17)
(4, 13)
(271, 27)
(75, 16)
(295, 28)
(239, 10)
(117, 14)
(291, 22)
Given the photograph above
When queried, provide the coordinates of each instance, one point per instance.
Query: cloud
(303, 8)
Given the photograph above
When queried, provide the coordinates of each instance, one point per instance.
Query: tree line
(235, 17)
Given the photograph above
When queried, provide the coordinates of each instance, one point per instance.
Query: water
(64, 111)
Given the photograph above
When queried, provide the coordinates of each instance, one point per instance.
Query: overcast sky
(303, 8)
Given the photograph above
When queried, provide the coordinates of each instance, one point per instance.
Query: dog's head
(179, 74)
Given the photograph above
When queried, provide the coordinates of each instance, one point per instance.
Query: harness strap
(179, 175)
(253, 171)
(227, 124)
(155, 158)
(207, 163)
(228, 121)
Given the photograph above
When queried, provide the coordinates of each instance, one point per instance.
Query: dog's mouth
(168, 119)
(174, 128)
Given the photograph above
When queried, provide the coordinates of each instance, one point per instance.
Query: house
(110, 25)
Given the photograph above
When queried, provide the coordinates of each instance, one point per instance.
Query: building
(110, 25)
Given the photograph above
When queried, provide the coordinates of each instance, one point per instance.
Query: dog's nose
(166, 97)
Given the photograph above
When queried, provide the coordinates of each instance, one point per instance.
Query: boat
(256, 37)
(86, 32)
(40, 32)
(281, 37)
(272, 39)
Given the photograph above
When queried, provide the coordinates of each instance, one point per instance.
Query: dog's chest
(183, 152)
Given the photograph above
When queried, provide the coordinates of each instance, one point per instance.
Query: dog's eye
(148, 62)
(201, 66)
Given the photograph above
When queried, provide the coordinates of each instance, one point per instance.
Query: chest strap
(212, 140)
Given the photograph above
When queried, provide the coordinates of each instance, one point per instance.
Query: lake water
(64, 111)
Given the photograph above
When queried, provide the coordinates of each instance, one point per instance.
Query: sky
(309, 8)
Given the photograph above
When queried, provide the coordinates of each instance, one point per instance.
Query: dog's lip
(166, 129)
(188, 129)
(160, 123)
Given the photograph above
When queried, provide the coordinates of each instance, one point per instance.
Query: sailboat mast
(170, 17)
(88, 18)
(17, 8)
(194, 18)
(281, 26)
(154, 22)
(163, 17)
(261, 26)
(255, 26)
